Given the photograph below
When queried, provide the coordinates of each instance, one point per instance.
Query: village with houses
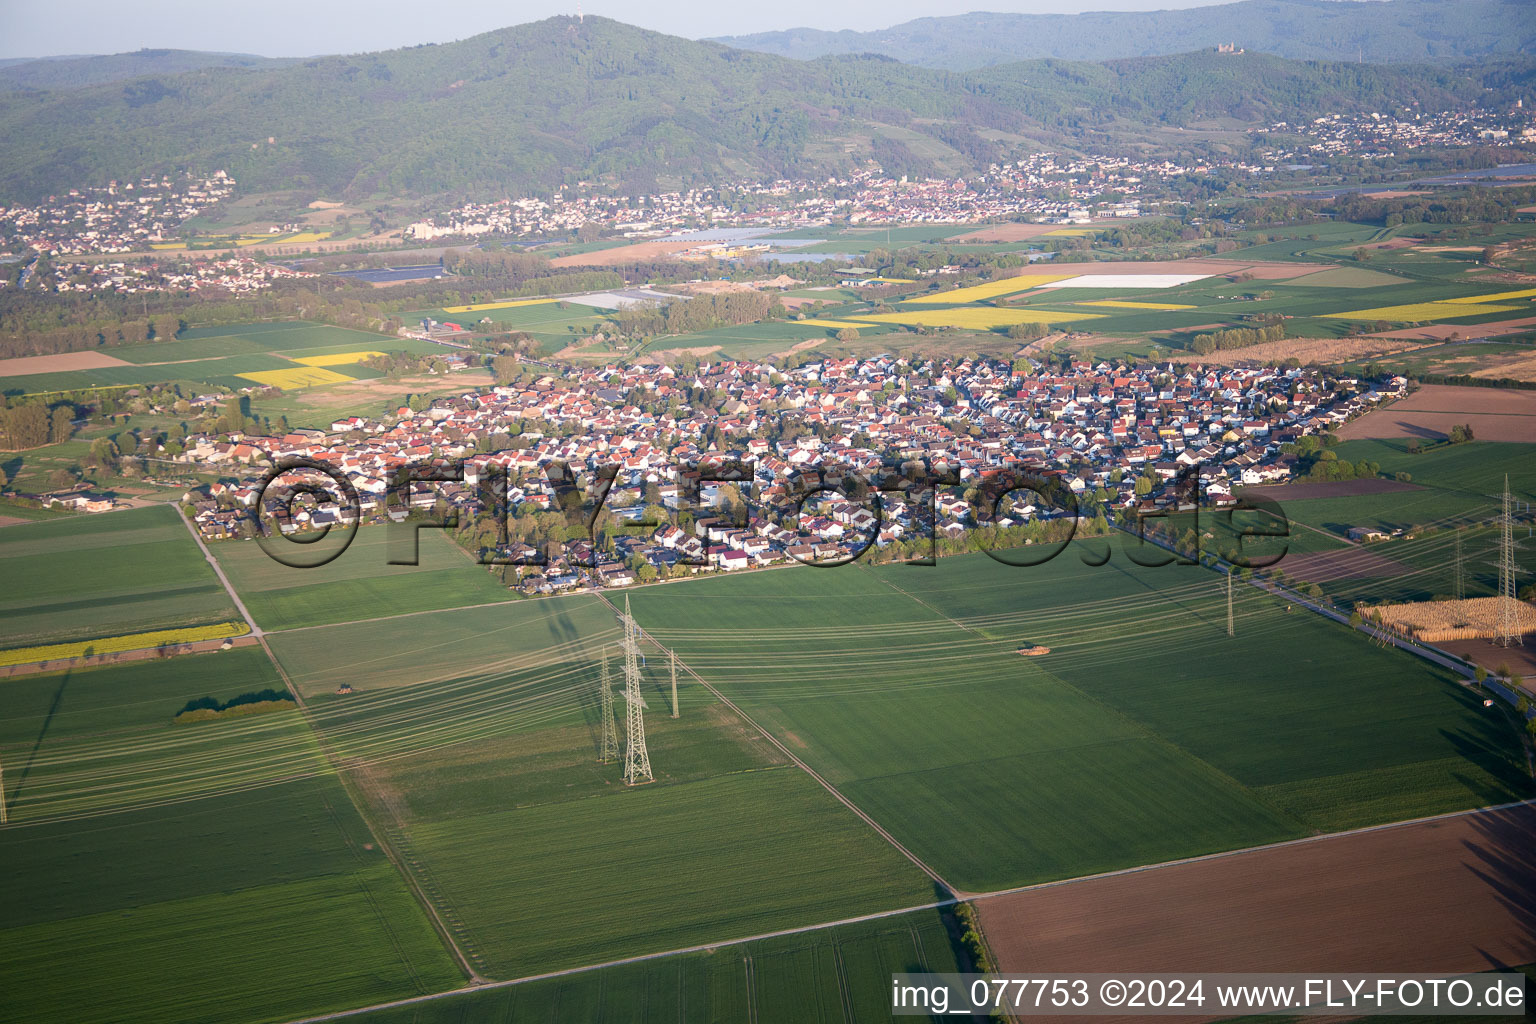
(1111, 434)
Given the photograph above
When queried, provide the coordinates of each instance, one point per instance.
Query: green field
(480, 730)
(217, 356)
(207, 872)
(104, 575)
(823, 977)
(359, 584)
(1134, 740)
(1457, 491)
(554, 327)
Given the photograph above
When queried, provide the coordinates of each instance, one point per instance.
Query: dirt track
(1453, 894)
(1495, 415)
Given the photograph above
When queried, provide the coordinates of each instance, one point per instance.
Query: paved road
(219, 571)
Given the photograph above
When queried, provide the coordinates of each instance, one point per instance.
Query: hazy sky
(296, 28)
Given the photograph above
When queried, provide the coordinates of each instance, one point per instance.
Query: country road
(219, 571)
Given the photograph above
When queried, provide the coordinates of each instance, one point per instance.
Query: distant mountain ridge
(558, 101)
(73, 72)
(1377, 31)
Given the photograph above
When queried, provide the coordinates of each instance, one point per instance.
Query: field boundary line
(882, 914)
(380, 836)
(703, 947)
(868, 820)
(218, 570)
(1282, 844)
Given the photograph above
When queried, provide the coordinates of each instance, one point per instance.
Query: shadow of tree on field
(1503, 856)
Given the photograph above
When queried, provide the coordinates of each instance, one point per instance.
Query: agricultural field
(989, 290)
(360, 583)
(1338, 902)
(99, 576)
(101, 784)
(822, 977)
(978, 317)
(554, 323)
(1454, 499)
(1132, 741)
(276, 353)
(476, 732)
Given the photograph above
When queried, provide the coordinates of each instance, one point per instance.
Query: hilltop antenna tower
(610, 747)
(1508, 630)
(637, 761)
(674, 684)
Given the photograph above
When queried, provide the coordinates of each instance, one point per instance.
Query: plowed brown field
(1449, 894)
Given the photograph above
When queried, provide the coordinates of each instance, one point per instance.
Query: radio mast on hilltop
(637, 762)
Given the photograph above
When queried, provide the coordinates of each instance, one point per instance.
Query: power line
(610, 745)
(674, 684)
(637, 761)
(1459, 587)
(1507, 632)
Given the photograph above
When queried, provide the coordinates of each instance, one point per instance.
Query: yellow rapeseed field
(1069, 232)
(337, 358)
(1421, 312)
(839, 324)
(307, 236)
(496, 305)
(979, 317)
(1495, 297)
(1119, 304)
(990, 290)
(168, 245)
(117, 644)
(298, 377)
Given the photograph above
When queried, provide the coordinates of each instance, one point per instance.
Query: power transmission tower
(674, 684)
(1458, 586)
(1508, 630)
(4, 819)
(610, 749)
(637, 762)
(1230, 630)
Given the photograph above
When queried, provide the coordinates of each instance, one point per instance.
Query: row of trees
(1235, 337)
(34, 424)
(697, 314)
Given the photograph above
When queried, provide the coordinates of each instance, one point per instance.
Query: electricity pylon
(1230, 630)
(637, 762)
(610, 747)
(1459, 589)
(674, 684)
(1507, 632)
(4, 819)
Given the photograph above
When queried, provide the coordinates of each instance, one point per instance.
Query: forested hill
(74, 72)
(1398, 31)
(531, 107)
